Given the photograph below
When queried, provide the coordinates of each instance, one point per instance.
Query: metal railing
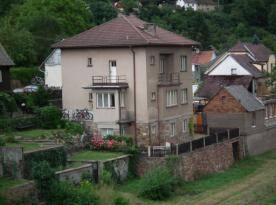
(116, 79)
(168, 78)
(219, 136)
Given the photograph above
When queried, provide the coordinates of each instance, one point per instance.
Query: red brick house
(5, 64)
(235, 107)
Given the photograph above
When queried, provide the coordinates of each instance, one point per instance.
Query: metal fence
(217, 135)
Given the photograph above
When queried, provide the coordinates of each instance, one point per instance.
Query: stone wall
(12, 161)
(191, 165)
(119, 165)
(74, 175)
(260, 142)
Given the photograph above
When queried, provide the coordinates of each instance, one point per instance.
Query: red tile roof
(203, 57)
(121, 32)
(259, 51)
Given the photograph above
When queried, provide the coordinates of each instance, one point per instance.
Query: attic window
(150, 28)
(233, 71)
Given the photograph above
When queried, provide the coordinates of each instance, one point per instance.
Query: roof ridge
(135, 28)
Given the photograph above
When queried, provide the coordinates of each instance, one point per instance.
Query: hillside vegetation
(29, 27)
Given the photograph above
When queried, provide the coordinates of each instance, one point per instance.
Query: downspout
(158, 116)
(134, 98)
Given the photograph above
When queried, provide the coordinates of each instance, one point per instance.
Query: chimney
(150, 28)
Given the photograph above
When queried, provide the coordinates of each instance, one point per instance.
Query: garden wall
(12, 161)
(75, 174)
(261, 142)
(191, 165)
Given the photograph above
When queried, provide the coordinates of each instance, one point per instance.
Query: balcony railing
(109, 81)
(168, 78)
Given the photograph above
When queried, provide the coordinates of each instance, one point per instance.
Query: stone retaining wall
(191, 165)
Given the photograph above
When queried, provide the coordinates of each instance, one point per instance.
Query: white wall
(181, 3)
(53, 76)
(224, 68)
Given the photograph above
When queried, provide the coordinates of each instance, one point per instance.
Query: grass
(36, 133)
(94, 155)
(6, 183)
(26, 146)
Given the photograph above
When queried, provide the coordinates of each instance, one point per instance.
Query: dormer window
(233, 71)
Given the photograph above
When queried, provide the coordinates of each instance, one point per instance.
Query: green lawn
(26, 146)
(36, 133)
(6, 183)
(94, 155)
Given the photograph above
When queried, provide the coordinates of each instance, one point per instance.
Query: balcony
(118, 81)
(168, 79)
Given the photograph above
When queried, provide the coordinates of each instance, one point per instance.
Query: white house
(52, 69)
(203, 5)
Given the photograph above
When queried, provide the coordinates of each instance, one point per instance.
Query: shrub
(157, 184)
(106, 177)
(7, 103)
(49, 117)
(41, 97)
(120, 200)
(9, 138)
(86, 194)
(5, 125)
(74, 128)
(2, 141)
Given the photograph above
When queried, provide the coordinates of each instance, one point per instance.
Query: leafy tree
(7, 103)
(272, 19)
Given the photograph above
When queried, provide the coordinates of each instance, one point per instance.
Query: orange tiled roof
(203, 57)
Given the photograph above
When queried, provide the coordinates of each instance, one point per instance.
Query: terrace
(118, 81)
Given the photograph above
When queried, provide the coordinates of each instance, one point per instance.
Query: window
(1, 77)
(106, 131)
(171, 98)
(184, 96)
(105, 100)
(172, 129)
(162, 65)
(152, 60)
(183, 63)
(122, 99)
(123, 131)
(89, 62)
(233, 71)
(185, 125)
(153, 129)
(254, 119)
(153, 96)
(90, 97)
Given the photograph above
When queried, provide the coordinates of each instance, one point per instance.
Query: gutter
(134, 86)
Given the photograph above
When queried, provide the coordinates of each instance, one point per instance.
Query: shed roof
(245, 98)
(124, 31)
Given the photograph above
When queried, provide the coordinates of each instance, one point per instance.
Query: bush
(2, 141)
(106, 177)
(120, 200)
(25, 75)
(41, 97)
(9, 138)
(157, 184)
(74, 128)
(86, 194)
(49, 117)
(7, 103)
(5, 125)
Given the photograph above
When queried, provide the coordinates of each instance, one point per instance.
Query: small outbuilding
(5, 64)
(234, 106)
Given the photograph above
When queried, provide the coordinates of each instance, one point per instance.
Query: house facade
(203, 5)
(52, 69)
(5, 64)
(137, 79)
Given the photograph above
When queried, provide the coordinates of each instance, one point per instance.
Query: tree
(42, 23)
(272, 19)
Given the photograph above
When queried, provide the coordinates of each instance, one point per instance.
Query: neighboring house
(52, 69)
(237, 67)
(134, 76)
(5, 64)
(199, 62)
(203, 5)
(235, 107)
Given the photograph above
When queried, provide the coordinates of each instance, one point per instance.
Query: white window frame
(89, 62)
(183, 63)
(171, 98)
(173, 128)
(234, 71)
(108, 131)
(1, 76)
(153, 96)
(185, 126)
(153, 129)
(184, 96)
(104, 103)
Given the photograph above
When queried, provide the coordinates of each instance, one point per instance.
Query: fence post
(204, 144)
(191, 146)
(149, 151)
(216, 137)
(176, 149)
